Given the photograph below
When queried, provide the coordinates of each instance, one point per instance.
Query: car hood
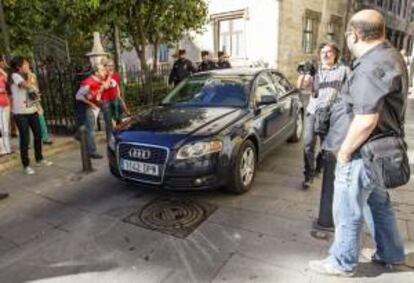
(171, 124)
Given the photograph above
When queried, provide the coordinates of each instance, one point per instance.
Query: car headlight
(198, 149)
(111, 143)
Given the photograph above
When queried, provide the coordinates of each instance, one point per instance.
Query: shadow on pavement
(369, 269)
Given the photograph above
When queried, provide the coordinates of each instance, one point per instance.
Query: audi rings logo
(140, 153)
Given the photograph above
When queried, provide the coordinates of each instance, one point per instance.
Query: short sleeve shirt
(378, 84)
(21, 102)
(4, 100)
(327, 84)
(111, 93)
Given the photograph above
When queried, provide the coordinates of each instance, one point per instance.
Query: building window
(310, 31)
(399, 4)
(390, 5)
(229, 33)
(334, 27)
(230, 36)
(164, 53)
(412, 14)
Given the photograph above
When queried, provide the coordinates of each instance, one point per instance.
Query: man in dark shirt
(223, 62)
(181, 69)
(374, 102)
(206, 64)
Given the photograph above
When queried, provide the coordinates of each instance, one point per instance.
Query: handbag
(322, 117)
(385, 158)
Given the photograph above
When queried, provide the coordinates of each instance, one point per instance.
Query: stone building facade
(283, 33)
(305, 24)
(399, 20)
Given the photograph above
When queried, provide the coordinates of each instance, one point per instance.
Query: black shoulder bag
(385, 157)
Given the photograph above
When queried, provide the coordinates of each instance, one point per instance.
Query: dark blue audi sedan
(210, 131)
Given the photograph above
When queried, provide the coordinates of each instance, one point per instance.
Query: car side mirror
(267, 99)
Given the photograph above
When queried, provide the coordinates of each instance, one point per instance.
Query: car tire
(244, 170)
(298, 130)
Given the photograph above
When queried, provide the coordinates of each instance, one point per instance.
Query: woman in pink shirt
(5, 147)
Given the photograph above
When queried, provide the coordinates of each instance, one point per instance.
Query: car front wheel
(244, 170)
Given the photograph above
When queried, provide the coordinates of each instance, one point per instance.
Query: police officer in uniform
(182, 68)
(223, 62)
(206, 64)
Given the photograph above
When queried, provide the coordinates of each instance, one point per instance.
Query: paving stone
(287, 254)
(410, 228)
(244, 269)
(402, 228)
(24, 230)
(199, 257)
(287, 229)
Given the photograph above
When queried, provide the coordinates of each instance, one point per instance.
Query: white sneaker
(28, 170)
(325, 267)
(44, 162)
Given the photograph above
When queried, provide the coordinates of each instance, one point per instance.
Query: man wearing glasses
(375, 96)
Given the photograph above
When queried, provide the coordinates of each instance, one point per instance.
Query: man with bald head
(374, 102)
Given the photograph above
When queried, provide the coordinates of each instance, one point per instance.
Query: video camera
(306, 68)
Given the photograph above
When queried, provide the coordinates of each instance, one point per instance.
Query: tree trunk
(156, 55)
(147, 78)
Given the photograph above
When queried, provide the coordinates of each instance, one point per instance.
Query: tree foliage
(143, 22)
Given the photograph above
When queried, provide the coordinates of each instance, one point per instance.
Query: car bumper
(201, 174)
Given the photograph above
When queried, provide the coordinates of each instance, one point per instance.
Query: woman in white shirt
(25, 113)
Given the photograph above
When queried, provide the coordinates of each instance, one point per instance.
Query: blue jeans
(358, 196)
(310, 138)
(107, 114)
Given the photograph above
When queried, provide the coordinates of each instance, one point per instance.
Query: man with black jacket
(223, 62)
(181, 69)
(206, 64)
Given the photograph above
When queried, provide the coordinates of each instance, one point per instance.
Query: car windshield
(207, 91)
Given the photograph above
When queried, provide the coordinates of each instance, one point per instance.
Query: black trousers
(25, 122)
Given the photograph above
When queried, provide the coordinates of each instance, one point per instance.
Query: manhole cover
(172, 216)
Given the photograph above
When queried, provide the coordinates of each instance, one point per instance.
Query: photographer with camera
(326, 85)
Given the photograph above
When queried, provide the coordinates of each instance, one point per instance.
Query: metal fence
(58, 86)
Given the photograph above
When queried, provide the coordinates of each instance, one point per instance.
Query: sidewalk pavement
(62, 226)
(60, 144)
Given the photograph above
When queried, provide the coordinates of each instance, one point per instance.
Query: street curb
(13, 161)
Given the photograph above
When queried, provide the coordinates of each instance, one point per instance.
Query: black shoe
(48, 142)
(307, 183)
(4, 195)
(96, 156)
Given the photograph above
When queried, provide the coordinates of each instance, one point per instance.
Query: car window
(264, 86)
(210, 92)
(281, 83)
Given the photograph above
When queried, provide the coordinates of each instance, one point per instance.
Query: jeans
(90, 123)
(309, 147)
(106, 108)
(358, 196)
(24, 122)
(5, 129)
(86, 117)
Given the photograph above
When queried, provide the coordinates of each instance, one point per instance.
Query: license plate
(140, 167)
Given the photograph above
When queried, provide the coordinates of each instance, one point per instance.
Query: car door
(285, 99)
(270, 116)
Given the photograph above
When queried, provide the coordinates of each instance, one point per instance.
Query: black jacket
(181, 69)
(207, 66)
(223, 65)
